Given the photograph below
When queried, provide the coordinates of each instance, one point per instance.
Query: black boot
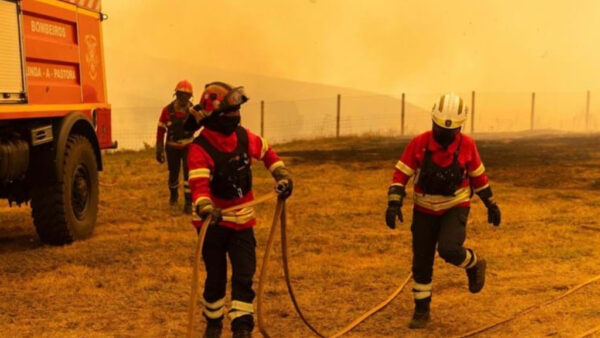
(476, 276)
(213, 330)
(421, 316)
(243, 333)
(187, 207)
(174, 196)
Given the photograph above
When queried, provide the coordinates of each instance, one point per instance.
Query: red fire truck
(54, 114)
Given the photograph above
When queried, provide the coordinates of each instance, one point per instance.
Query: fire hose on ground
(280, 216)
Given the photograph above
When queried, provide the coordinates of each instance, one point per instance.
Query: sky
(297, 55)
(385, 46)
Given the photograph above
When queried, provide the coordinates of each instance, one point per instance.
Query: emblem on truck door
(91, 55)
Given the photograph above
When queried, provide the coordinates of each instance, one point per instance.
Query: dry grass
(132, 278)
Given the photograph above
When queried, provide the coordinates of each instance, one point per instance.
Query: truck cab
(54, 114)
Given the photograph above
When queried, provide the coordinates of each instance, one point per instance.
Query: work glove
(396, 195)
(206, 208)
(494, 214)
(488, 200)
(160, 152)
(199, 113)
(284, 185)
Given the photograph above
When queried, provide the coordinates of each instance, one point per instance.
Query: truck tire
(66, 210)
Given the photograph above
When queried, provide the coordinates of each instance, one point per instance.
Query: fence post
(472, 112)
(532, 108)
(339, 108)
(403, 107)
(262, 118)
(587, 112)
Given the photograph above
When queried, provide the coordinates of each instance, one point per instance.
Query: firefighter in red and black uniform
(447, 170)
(171, 121)
(220, 177)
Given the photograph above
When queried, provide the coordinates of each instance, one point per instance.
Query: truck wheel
(66, 211)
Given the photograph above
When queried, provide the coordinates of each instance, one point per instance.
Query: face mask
(444, 136)
(222, 124)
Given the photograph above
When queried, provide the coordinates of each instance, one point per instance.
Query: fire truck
(54, 115)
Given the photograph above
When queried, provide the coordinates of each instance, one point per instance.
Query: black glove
(391, 213)
(203, 210)
(487, 198)
(284, 185)
(396, 195)
(494, 214)
(284, 188)
(160, 152)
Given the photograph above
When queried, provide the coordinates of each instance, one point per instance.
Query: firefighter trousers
(240, 245)
(448, 232)
(176, 158)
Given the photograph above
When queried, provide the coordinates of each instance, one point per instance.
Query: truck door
(12, 87)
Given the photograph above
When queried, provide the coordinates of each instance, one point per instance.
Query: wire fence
(409, 114)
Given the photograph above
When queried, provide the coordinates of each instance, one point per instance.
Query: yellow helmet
(449, 112)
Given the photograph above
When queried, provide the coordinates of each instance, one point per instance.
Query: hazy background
(298, 54)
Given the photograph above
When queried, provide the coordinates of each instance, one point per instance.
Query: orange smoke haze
(384, 46)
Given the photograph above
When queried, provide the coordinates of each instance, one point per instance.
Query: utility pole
(403, 110)
(339, 109)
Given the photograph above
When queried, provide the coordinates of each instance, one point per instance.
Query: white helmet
(449, 112)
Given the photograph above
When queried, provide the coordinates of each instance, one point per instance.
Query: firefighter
(171, 121)
(447, 170)
(220, 177)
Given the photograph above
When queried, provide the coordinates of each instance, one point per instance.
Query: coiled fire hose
(279, 215)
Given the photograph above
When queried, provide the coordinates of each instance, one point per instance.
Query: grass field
(132, 278)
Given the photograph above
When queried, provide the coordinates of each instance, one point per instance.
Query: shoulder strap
(242, 140)
(172, 111)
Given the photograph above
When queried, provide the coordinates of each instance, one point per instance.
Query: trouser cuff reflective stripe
(470, 260)
(214, 310)
(421, 291)
(239, 309)
(186, 187)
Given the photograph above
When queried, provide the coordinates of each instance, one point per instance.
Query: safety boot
(174, 196)
(421, 316)
(476, 276)
(187, 207)
(243, 333)
(213, 330)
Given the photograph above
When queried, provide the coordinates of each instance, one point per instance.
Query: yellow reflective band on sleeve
(467, 260)
(214, 305)
(242, 306)
(477, 172)
(408, 171)
(481, 188)
(162, 125)
(276, 165)
(439, 202)
(200, 199)
(200, 173)
(265, 147)
(397, 184)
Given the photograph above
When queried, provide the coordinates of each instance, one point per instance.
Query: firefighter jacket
(172, 122)
(238, 149)
(461, 150)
